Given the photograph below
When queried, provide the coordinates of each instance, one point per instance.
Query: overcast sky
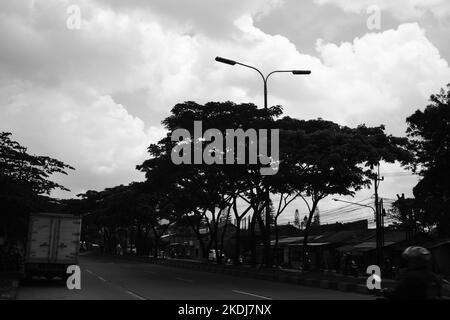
(95, 97)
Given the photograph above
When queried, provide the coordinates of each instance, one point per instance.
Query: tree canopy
(318, 158)
(25, 184)
(429, 134)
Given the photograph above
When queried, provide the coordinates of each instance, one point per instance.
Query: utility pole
(378, 219)
(382, 214)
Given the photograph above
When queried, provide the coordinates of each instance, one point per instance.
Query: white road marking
(135, 295)
(185, 280)
(127, 291)
(251, 294)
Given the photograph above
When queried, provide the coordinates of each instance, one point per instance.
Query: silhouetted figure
(416, 281)
(388, 270)
(344, 264)
(306, 263)
(337, 262)
(354, 268)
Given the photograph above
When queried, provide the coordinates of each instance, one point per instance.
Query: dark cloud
(95, 97)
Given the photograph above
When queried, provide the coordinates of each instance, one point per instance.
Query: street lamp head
(301, 72)
(226, 61)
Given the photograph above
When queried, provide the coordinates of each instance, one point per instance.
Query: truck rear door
(41, 231)
(68, 240)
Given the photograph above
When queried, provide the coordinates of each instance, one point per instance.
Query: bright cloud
(401, 9)
(95, 97)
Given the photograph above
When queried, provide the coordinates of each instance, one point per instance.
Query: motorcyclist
(416, 281)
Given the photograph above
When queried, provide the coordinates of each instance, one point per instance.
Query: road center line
(135, 295)
(101, 278)
(251, 294)
(185, 280)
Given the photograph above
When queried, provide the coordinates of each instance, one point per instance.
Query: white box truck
(53, 244)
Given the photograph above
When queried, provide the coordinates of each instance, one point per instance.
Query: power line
(337, 213)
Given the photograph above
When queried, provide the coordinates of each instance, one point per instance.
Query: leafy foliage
(25, 183)
(429, 134)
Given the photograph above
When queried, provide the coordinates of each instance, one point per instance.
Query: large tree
(429, 134)
(210, 190)
(25, 184)
(321, 158)
(131, 215)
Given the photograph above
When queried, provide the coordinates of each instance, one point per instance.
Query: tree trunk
(224, 231)
(253, 241)
(263, 236)
(146, 247)
(156, 242)
(275, 246)
(267, 248)
(216, 242)
(199, 238)
(213, 232)
(237, 247)
(139, 240)
(305, 258)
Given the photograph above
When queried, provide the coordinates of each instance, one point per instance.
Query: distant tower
(297, 218)
(316, 218)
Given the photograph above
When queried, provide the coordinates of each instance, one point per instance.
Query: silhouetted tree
(429, 134)
(211, 187)
(25, 185)
(325, 158)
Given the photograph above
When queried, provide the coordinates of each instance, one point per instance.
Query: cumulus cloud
(383, 76)
(379, 78)
(214, 18)
(81, 127)
(401, 9)
(95, 97)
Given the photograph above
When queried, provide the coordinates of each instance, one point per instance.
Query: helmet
(417, 256)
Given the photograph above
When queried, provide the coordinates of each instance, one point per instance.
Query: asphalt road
(106, 279)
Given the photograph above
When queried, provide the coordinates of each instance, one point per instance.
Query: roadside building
(322, 245)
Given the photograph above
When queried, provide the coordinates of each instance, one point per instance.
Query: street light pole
(265, 79)
(379, 245)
